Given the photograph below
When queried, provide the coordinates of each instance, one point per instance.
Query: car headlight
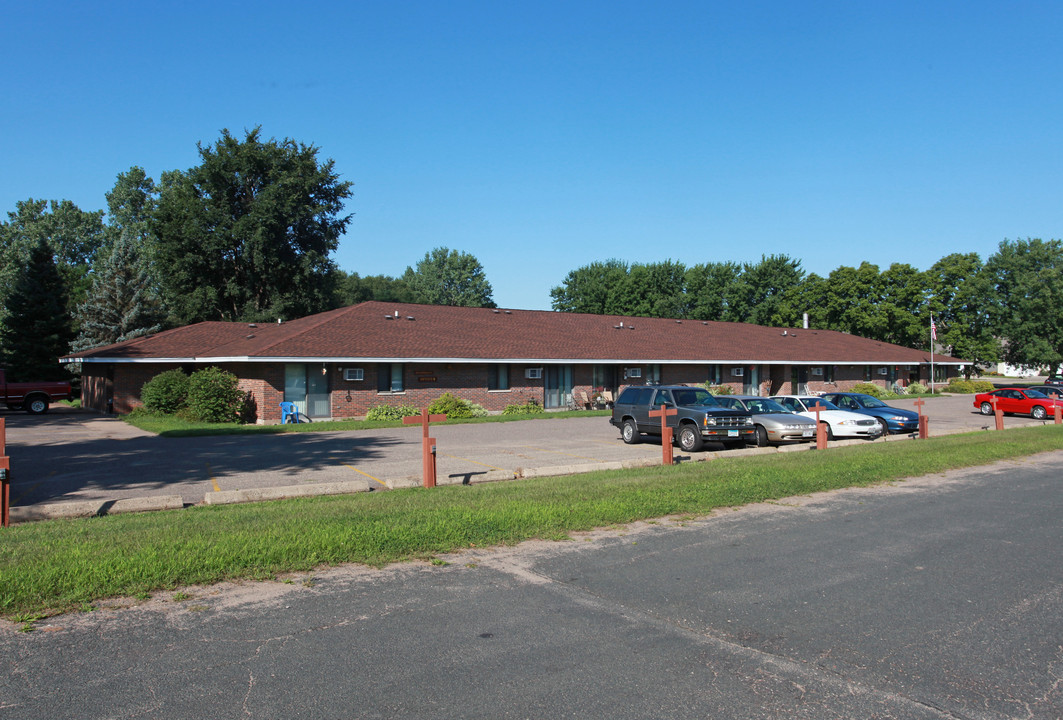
(900, 418)
(848, 422)
(710, 420)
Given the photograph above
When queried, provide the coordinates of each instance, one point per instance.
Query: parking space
(70, 455)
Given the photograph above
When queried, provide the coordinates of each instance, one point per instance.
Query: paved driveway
(70, 455)
(933, 599)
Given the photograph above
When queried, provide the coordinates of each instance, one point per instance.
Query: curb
(93, 508)
(229, 497)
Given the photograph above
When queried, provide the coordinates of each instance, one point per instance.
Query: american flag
(933, 330)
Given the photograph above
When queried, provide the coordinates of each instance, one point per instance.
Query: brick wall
(424, 382)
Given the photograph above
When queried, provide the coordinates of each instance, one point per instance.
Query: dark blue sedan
(894, 420)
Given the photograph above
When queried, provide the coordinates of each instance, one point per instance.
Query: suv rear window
(635, 396)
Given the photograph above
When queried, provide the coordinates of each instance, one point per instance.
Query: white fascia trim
(515, 361)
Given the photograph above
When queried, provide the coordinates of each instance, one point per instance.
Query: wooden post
(428, 444)
(997, 412)
(924, 421)
(1058, 413)
(5, 477)
(821, 434)
(666, 433)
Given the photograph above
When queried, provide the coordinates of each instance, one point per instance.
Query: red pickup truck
(33, 397)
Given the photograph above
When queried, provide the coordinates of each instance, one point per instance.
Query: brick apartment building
(341, 363)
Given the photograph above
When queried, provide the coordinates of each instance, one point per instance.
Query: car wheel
(689, 439)
(36, 406)
(884, 426)
(1038, 412)
(630, 432)
(986, 409)
(830, 432)
(762, 436)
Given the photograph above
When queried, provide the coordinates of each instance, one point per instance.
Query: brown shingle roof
(399, 331)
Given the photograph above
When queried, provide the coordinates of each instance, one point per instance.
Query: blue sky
(543, 136)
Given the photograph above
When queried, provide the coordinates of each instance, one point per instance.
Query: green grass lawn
(58, 565)
(172, 426)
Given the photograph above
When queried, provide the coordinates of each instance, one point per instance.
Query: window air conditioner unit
(882, 371)
(634, 372)
(817, 371)
(738, 372)
(533, 373)
(354, 374)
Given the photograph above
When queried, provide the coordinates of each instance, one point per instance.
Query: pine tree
(122, 304)
(37, 330)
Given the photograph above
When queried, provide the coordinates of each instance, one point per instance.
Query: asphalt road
(74, 455)
(933, 598)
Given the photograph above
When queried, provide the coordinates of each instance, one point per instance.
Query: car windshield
(870, 401)
(693, 396)
(762, 406)
(811, 402)
(1036, 394)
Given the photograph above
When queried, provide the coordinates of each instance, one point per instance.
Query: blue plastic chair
(289, 413)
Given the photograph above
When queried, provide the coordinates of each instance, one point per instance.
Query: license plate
(732, 433)
(808, 433)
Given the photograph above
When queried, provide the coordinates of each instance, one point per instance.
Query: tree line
(245, 235)
(248, 233)
(1008, 308)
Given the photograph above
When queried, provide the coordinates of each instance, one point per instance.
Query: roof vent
(678, 322)
(496, 311)
(704, 323)
(249, 336)
(396, 313)
(508, 312)
(409, 317)
(785, 333)
(388, 317)
(617, 327)
(252, 325)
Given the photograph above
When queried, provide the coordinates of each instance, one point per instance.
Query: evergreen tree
(122, 303)
(37, 330)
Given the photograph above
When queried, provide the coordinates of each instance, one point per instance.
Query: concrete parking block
(92, 508)
(228, 497)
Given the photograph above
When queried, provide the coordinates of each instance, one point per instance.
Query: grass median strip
(60, 565)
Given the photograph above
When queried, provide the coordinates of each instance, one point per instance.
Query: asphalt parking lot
(72, 455)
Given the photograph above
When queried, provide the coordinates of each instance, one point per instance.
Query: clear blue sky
(542, 136)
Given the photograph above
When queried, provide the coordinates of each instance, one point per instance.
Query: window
(498, 377)
(389, 377)
(713, 375)
(653, 374)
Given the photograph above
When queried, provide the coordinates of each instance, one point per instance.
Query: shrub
(917, 388)
(478, 410)
(391, 412)
(450, 405)
(868, 389)
(166, 393)
(529, 408)
(718, 389)
(214, 396)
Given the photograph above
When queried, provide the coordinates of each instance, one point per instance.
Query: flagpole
(933, 336)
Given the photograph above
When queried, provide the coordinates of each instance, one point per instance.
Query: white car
(840, 423)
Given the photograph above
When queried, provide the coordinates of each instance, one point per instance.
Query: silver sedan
(774, 423)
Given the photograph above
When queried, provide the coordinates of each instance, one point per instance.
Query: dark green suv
(699, 417)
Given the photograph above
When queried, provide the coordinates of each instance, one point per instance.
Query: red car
(1019, 401)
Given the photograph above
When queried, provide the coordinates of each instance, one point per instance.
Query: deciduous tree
(1026, 301)
(246, 234)
(449, 277)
